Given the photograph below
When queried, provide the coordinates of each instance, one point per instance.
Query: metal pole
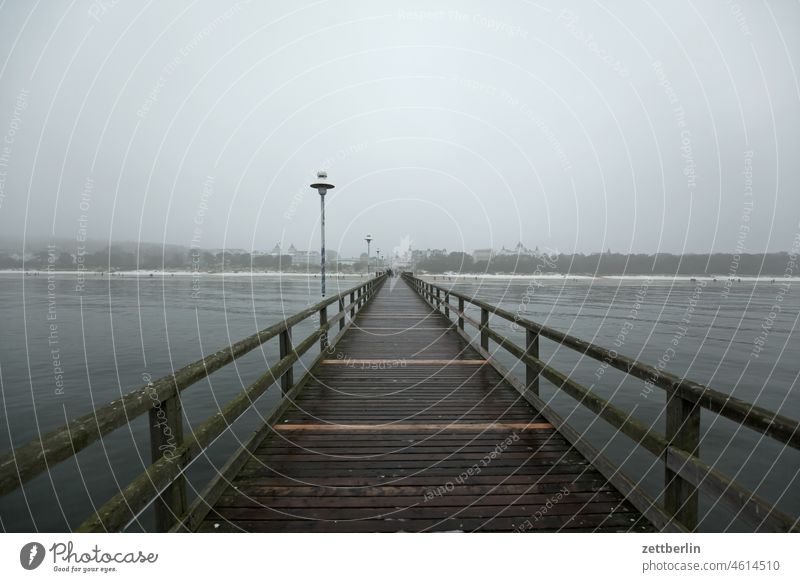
(322, 221)
(368, 241)
(322, 187)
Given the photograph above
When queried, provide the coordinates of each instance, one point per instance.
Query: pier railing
(679, 448)
(163, 482)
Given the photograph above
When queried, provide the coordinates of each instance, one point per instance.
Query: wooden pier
(404, 424)
(405, 427)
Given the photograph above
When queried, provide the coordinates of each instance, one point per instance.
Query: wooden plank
(617, 521)
(414, 426)
(404, 362)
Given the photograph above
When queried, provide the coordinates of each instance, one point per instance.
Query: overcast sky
(635, 126)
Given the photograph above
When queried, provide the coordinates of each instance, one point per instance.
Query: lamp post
(378, 263)
(368, 238)
(322, 187)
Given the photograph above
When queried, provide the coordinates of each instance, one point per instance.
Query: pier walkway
(405, 427)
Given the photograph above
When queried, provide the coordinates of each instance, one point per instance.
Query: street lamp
(369, 240)
(378, 263)
(322, 187)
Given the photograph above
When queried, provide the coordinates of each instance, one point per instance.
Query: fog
(579, 127)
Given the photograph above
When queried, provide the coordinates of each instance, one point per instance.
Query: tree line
(716, 264)
(152, 258)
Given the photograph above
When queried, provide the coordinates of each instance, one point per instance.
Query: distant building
(518, 250)
(482, 254)
(417, 255)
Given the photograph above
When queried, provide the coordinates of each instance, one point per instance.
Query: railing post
(352, 304)
(484, 325)
(447, 304)
(323, 320)
(284, 349)
(461, 313)
(438, 299)
(341, 313)
(683, 432)
(532, 349)
(166, 435)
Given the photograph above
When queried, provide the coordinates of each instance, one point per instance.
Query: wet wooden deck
(406, 428)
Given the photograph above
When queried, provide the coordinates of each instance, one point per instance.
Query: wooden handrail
(781, 428)
(150, 485)
(31, 459)
(685, 473)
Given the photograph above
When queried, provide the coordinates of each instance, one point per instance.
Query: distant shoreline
(141, 273)
(440, 276)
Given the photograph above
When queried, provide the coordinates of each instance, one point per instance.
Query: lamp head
(322, 185)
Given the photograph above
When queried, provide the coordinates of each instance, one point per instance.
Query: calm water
(108, 337)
